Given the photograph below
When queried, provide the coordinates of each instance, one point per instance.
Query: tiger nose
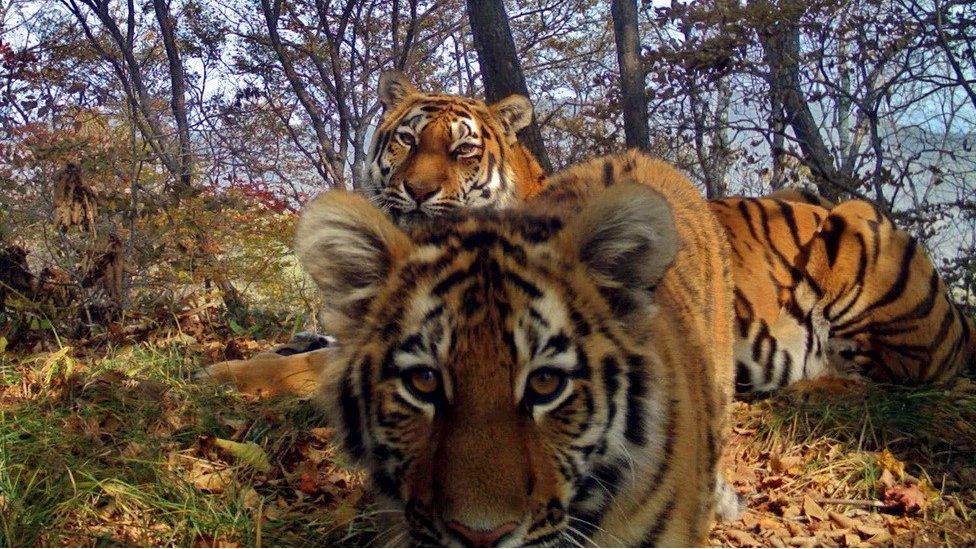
(419, 193)
(473, 537)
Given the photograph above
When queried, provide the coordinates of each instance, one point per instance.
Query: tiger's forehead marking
(460, 121)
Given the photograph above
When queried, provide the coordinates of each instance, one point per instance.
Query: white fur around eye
(529, 332)
(406, 138)
(539, 411)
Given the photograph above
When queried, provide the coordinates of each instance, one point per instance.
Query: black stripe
(449, 282)
(636, 431)
(531, 289)
(831, 235)
(663, 519)
(351, 418)
(790, 217)
(901, 282)
(608, 173)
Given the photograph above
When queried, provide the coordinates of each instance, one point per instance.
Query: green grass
(102, 452)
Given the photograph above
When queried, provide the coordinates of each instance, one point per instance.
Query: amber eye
(406, 139)
(544, 385)
(465, 149)
(424, 383)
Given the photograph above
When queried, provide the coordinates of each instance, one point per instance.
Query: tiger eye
(424, 381)
(406, 139)
(545, 383)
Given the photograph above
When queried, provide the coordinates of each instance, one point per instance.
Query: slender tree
(501, 70)
(634, 98)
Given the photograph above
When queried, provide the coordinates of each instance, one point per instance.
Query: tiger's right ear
(394, 86)
(349, 247)
(627, 240)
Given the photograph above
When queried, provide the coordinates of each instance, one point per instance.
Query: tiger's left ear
(514, 112)
(626, 238)
(394, 87)
(349, 247)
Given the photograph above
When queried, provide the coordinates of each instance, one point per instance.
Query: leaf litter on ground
(117, 447)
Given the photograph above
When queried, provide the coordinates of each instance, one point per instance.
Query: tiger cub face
(433, 153)
(493, 379)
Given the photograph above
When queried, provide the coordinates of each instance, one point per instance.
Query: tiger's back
(779, 340)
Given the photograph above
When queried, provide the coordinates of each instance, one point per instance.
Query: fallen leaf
(248, 453)
(750, 520)
(771, 483)
(852, 540)
(232, 351)
(889, 462)
(813, 510)
(786, 465)
(213, 482)
(250, 498)
(309, 483)
(869, 531)
(887, 479)
(908, 499)
(804, 541)
(879, 539)
(840, 520)
(324, 434)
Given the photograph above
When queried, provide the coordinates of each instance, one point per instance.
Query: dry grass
(121, 448)
(124, 450)
(845, 465)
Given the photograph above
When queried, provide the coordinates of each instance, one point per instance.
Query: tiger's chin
(554, 536)
(409, 219)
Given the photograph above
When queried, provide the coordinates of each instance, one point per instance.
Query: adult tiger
(836, 290)
(430, 155)
(558, 373)
(433, 153)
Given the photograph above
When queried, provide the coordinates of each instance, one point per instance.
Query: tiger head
(492, 378)
(433, 153)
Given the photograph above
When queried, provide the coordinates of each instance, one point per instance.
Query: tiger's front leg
(292, 368)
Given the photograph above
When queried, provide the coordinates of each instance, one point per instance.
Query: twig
(853, 502)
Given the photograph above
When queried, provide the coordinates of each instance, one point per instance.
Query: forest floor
(118, 447)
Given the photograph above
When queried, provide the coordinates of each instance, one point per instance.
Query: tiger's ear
(394, 87)
(349, 247)
(514, 112)
(626, 238)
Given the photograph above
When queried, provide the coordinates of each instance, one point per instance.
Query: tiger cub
(553, 374)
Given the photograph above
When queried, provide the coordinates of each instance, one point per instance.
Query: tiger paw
(729, 505)
(304, 342)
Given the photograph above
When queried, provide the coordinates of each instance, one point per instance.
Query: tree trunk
(178, 96)
(627, 37)
(500, 67)
(330, 161)
(781, 47)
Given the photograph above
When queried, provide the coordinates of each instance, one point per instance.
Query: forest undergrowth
(117, 446)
